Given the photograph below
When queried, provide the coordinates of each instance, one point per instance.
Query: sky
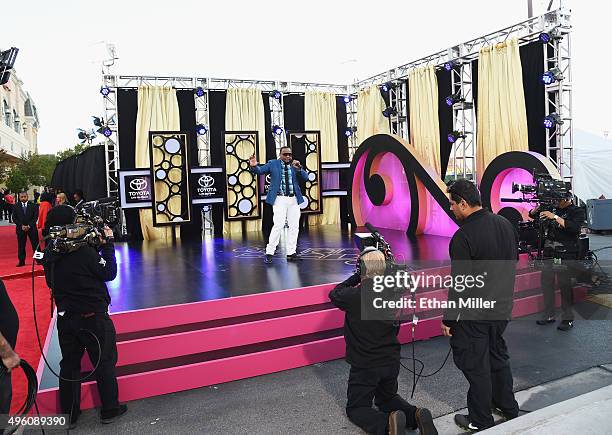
(62, 44)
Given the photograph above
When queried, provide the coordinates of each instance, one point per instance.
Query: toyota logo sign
(206, 181)
(138, 184)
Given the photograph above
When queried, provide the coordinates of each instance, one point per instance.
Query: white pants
(285, 208)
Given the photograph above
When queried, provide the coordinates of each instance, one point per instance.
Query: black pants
(378, 384)
(74, 340)
(564, 281)
(480, 352)
(32, 234)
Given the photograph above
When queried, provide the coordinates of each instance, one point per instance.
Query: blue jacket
(275, 169)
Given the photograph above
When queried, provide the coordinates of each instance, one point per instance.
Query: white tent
(592, 165)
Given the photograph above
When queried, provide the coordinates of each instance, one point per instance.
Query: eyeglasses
(287, 154)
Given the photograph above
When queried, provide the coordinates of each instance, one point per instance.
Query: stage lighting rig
(454, 98)
(97, 121)
(455, 136)
(348, 98)
(448, 66)
(199, 91)
(86, 136)
(551, 76)
(546, 37)
(389, 111)
(552, 121)
(386, 87)
(105, 91)
(7, 62)
(277, 130)
(276, 94)
(349, 131)
(201, 129)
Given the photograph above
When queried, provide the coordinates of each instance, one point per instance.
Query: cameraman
(561, 242)
(77, 282)
(373, 352)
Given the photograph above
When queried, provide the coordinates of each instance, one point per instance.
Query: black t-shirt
(9, 322)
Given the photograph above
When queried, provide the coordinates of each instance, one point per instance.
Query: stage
(190, 315)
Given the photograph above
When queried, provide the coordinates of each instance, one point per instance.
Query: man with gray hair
(373, 352)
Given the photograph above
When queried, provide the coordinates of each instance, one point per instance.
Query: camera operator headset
(77, 278)
(560, 246)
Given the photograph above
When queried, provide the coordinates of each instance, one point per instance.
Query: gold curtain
(370, 120)
(157, 110)
(501, 117)
(320, 114)
(244, 110)
(424, 125)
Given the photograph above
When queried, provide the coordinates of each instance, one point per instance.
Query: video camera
(376, 240)
(88, 227)
(546, 191)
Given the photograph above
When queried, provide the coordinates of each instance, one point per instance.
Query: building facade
(18, 119)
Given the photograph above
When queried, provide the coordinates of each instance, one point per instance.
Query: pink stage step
(175, 348)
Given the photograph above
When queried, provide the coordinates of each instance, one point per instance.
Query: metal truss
(463, 156)
(351, 124)
(111, 144)
(558, 99)
(397, 99)
(202, 117)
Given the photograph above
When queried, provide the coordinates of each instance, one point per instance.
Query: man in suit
(25, 215)
(285, 197)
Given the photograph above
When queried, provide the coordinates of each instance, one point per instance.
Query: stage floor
(157, 274)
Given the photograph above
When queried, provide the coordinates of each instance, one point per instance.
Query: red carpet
(18, 283)
(8, 255)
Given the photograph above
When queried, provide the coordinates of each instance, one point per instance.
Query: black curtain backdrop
(445, 117)
(216, 118)
(267, 216)
(343, 156)
(127, 110)
(85, 171)
(532, 63)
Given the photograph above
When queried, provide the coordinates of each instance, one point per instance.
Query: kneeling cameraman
(77, 282)
(561, 242)
(373, 351)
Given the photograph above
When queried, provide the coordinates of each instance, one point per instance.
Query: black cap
(60, 215)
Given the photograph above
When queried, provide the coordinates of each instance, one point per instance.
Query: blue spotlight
(276, 94)
(552, 121)
(450, 65)
(201, 129)
(455, 98)
(349, 131)
(386, 87)
(347, 99)
(199, 91)
(107, 132)
(455, 136)
(544, 37)
(105, 91)
(551, 76)
(278, 130)
(389, 111)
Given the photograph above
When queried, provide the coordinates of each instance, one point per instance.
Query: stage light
(278, 130)
(348, 98)
(551, 76)
(201, 129)
(389, 111)
(386, 87)
(82, 135)
(97, 121)
(546, 37)
(106, 131)
(105, 91)
(199, 91)
(454, 98)
(349, 131)
(552, 121)
(450, 65)
(276, 94)
(455, 136)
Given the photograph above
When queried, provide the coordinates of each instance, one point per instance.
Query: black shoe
(20, 264)
(268, 259)
(107, 417)
(565, 325)
(425, 422)
(502, 414)
(293, 257)
(546, 321)
(397, 423)
(463, 421)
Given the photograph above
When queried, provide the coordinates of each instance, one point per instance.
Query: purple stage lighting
(278, 130)
(201, 129)
(106, 131)
(105, 91)
(199, 91)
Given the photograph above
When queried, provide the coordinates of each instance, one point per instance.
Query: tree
(17, 181)
(69, 152)
(31, 170)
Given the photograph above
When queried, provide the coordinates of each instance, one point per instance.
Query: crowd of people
(29, 216)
